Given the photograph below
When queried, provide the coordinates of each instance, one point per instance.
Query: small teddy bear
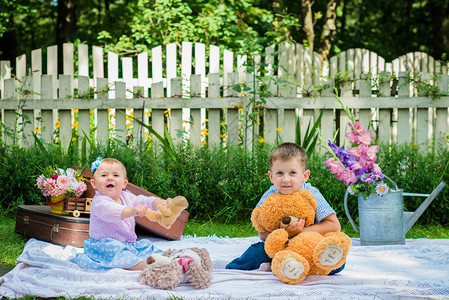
(173, 267)
(166, 216)
(308, 253)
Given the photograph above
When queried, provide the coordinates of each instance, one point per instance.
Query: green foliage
(222, 184)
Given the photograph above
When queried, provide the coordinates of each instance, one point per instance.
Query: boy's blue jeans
(255, 255)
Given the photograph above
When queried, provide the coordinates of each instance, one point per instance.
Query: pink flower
(358, 151)
(63, 182)
(81, 188)
(352, 137)
(372, 151)
(365, 138)
(358, 128)
(333, 165)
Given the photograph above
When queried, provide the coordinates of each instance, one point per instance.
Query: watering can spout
(411, 217)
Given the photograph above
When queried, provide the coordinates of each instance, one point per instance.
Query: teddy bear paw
(290, 267)
(331, 255)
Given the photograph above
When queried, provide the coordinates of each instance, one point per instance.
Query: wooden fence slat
(9, 116)
(156, 64)
(120, 114)
(200, 65)
(83, 114)
(175, 124)
(65, 115)
(186, 66)
(102, 114)
(83, 60)
(214, 59)
(36, 71)
(68, 61)
(195, 114)
(299, 53)
(139, 114)
(157, 115)
(48, 122)
(171, 62)
(232, 119)
(214, 114)
(143, 79)
(98, 68)
(113, 71)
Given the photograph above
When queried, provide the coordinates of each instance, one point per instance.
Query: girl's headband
(95, 164)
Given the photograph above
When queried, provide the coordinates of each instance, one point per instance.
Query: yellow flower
(203, 143)
(148, 114)
(207, 120)
(37, 129)
(57, 124)
(222, 124)
(109, 110)
(222, 136)
(75, 124)
(75, 110)
(261, 140)
(279, 129)
(414, 145)
(258, 121)
(73, 139)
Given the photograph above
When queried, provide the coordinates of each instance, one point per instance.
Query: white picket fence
(191, 93)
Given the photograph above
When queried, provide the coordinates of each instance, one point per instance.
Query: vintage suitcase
(38, 222)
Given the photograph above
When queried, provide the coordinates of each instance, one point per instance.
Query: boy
(288, 173)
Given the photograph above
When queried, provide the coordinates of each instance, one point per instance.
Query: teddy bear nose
(286, 220)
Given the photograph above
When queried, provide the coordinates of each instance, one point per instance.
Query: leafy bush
(223, 184)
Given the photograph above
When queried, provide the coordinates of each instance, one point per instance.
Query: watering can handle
(346, 203)
(347, 211)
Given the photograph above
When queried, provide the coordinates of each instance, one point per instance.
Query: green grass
(11, 243)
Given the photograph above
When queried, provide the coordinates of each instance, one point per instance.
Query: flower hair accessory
(95, 164)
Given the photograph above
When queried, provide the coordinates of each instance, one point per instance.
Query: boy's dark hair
(286, 151)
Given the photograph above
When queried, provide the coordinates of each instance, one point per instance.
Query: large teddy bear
(308, 253)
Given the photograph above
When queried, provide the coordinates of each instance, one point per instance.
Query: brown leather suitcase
(37, 221)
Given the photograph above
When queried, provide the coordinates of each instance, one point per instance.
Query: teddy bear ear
(310, 198)
(255, 219)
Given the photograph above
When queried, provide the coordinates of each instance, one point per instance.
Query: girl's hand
(158, 201)
(139, 210)
(295, 228)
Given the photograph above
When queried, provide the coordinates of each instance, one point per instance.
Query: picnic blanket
(418, 269)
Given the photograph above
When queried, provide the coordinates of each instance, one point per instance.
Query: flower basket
(57, 184)
(57, 204)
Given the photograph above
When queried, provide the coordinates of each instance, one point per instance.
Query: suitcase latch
(26, 220)
(55, 227)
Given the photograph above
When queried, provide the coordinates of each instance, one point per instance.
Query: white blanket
(415, 270)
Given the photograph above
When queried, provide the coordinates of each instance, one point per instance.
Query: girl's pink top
(105, 221)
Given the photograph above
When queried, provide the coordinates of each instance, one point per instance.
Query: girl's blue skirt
(109, 253)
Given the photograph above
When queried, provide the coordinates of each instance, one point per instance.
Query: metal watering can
(382, 220)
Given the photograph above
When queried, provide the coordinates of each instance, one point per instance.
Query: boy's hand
(295, 228)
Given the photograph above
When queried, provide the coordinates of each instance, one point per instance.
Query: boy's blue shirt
(323, 209)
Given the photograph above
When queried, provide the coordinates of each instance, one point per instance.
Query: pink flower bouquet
(59, 182)
(356, 166)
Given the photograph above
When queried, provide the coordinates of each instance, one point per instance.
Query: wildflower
(382, 189)
(261, 140)
(278, 129)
